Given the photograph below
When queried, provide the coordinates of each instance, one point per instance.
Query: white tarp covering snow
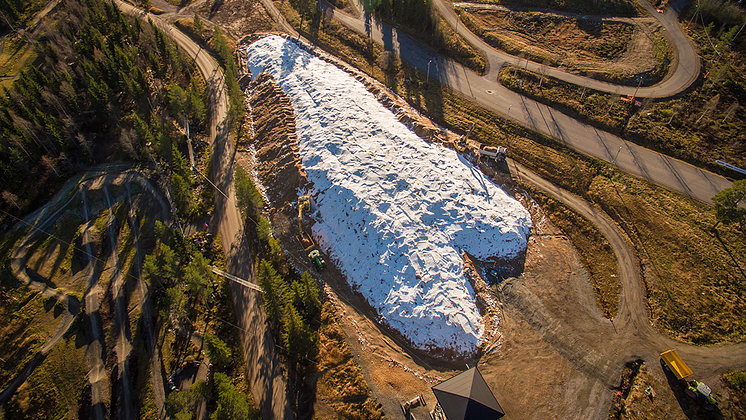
(394, 211)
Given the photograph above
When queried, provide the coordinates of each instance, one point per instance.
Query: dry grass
(341, 386)
(694, 277)
(597, 47)
(593, 248)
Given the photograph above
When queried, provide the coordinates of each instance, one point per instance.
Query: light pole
(638, 86)
(427, 82)
(509, 106)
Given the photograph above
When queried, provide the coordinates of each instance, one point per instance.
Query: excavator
(305, 240)
(304, 206)
(463, 142)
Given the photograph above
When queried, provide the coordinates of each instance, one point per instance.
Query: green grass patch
(735, 383)
(15, 54)
(55, 389)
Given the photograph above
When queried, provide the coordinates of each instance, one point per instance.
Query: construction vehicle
(494, 152)
(463, 142)
(316, 260)
(304, 206)
(672, 362)
(305, 240)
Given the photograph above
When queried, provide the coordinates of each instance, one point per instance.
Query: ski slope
(393, 211)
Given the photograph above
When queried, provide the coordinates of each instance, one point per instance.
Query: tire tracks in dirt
(635, 337)
(96, 350)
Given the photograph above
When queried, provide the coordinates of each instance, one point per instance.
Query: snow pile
(393, 210)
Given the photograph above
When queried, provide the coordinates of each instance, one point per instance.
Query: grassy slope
(705, 124)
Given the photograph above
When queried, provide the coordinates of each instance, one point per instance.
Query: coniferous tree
(274, 291)
(299, 341)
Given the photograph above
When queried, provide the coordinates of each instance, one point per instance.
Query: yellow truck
(672, 362)
(675, 364)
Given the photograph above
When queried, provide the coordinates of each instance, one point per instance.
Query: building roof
(467, 396)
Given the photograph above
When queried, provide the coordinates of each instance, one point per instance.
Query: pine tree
(275, 291)
(300, 342)
(218, 352)
(306, 296)
(728, 208)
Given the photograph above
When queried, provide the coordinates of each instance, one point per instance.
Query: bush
(737, 379)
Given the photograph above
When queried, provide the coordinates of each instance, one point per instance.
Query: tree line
(103, 87)
(293, 305)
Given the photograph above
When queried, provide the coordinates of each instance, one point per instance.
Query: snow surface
(394, 211)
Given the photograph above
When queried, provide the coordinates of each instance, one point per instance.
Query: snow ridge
(393, 210)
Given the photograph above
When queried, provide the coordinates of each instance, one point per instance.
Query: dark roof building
(466, 396)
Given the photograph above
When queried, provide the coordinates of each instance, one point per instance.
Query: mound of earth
(394, 212)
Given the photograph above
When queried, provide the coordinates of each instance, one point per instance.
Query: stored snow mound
(393, 210)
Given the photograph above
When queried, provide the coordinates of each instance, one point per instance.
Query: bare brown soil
(616, 48)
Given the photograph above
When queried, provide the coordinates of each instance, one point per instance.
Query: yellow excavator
(463, 142)
(305, 240)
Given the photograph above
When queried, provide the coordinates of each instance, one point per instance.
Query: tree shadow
(730, 253)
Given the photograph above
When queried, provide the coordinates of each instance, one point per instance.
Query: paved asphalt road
(685, 66)
(486, 90)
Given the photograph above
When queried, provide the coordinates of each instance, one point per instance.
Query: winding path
(633, 336)
(489, 93)
(265, 373)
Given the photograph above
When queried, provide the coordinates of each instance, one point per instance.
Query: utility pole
(613, 162)
(638, 86)
(428, 73)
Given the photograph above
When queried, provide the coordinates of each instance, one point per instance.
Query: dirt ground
(623, 46)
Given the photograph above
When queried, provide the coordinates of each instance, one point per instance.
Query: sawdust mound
(278, 162)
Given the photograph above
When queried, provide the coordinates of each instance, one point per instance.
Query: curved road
(633, 335)
(685, 65)
(266, 378)
(488, 92)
